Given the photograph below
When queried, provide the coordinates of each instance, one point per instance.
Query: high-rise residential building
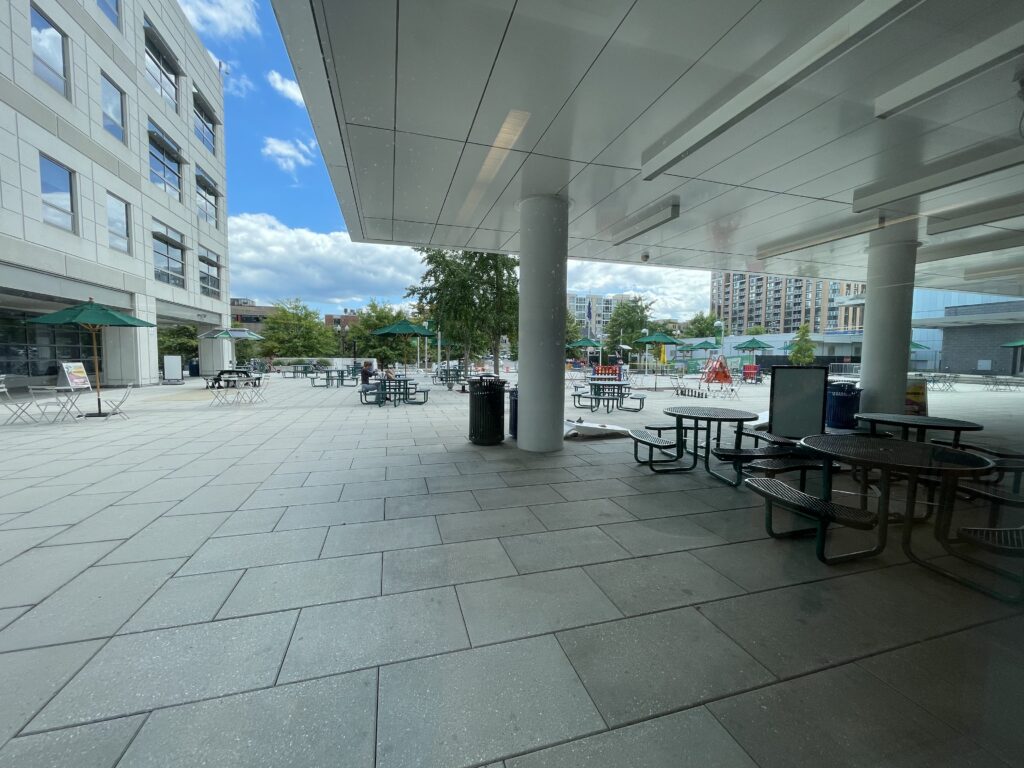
(592, 311)
(112, 182)
(782, 303)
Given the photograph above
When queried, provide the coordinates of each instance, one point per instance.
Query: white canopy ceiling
(757, 118)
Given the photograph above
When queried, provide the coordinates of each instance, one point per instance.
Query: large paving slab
(184, 600)
(136, 673)
(294, 585)
(29, 678)
(434, 504)
(65, 511)
(363, 633)
(13, 543)
(98, 745)
(520, 606)
(655, 537)
(437, 566)
(168, 537)
(359, 538)
(579, 514)
(328, 722)
(561, 549)
(121, 521)
(33, 575)
(487, 524)
(336, 513)
(214, 498)
(232, 552)
(843, 717)
(650, 665)
(500, 700)
(94, 604)
(690, 739)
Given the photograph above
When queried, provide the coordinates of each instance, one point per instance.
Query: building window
(206, 197)
(56, 185)
(112, 100)
(204, 124)
(209, 272)
(161, 72)
(112, 10)
(28, 349)
(164, 161)
(49, 53)
(168, 255)
(117, 224)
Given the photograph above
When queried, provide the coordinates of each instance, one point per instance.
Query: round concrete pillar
(543, 252)
(892, 257)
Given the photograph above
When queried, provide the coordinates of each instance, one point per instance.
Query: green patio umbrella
(1013, 344)
(583, 343)
(232, 334)
(915, 345)
(708, 345)
(403, 328)
(92, 317)
(753, 345)
(656, 338)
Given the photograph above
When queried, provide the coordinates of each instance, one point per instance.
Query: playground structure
(716, 371)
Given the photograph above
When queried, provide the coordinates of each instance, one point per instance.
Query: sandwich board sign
(73, 375)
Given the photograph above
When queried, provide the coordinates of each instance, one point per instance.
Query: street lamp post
(647, 351)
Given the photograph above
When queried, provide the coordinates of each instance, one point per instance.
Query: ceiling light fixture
(868, 18)
(987, 274)
(779, 249)
(980, 58)
(647, 223)
(933, 176)
(970, 246)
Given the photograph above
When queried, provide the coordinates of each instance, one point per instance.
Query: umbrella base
(91, 415)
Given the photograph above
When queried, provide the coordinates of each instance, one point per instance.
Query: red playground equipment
(716, 372)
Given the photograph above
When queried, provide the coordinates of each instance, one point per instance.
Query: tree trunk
(496, 351)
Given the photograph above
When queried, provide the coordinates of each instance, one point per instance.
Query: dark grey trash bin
(193, 366)
(513, 412)
(842, 403)
(486, 410)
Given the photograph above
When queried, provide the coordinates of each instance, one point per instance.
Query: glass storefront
(35, 350)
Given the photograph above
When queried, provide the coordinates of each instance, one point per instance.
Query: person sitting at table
(389, 374)
(365, 375)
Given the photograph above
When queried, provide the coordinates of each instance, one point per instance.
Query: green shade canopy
(234, 334)
(753, 344)
(402, 328)
(915, 345)
(657, 338)
(704, 345)
(1013, 344)
(92, 317)
(91, 314)
(583, 343)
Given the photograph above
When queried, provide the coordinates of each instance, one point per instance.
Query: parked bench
(640, 398)
(653, 442)
(740, 456)
(773, 467)
(375, 396)
(824, 513)
(425, 391)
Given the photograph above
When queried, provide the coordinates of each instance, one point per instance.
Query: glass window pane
(112, 10)
(117, 223)
(48, 52)
(113, 108)
(55, 188)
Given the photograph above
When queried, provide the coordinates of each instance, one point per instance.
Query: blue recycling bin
(841, 405)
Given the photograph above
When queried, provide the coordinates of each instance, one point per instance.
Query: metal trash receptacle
(193, 366)
(841, 404)
(486, 410)
(513, 412)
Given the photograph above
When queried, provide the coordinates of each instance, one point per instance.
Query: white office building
(112, 182)
(593, 311)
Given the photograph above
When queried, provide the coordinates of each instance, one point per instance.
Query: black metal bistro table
(920, 424)
(911, 459)
(706, 416)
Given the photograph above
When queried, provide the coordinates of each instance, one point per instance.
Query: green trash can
(486, 410)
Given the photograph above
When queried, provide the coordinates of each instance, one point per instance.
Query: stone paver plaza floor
(311, 582)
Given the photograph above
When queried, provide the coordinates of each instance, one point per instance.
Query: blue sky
(287, 237)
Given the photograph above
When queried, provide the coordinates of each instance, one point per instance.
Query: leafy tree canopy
(572, 328)
(801, 349)
(473, 297)
(701, 325)
(627, 323)
(295, 330)
(180, 340)
(756, 330)
(386, 349)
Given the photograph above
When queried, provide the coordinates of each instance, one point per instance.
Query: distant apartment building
(782, 303)
(112, 183)
(593, 312)
(347, 318)
(248, 314)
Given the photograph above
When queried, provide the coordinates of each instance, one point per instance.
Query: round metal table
(920, 424)
(706, 416)
(912, 459)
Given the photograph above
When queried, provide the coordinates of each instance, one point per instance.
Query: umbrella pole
(96, 370)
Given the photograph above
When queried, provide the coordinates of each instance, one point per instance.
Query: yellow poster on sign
(917, 397)
(74, 376)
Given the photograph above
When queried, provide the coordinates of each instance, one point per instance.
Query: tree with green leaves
(180, 340)
(573, 332)
(801, 349)
(627, 323)
(701, 325)
(756, 330)
(473, 297)
(295, 330)
(385, 349)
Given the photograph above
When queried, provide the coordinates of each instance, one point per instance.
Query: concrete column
(892, 254)
(130, 354)
(543, 252)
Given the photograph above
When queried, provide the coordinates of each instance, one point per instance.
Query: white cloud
(678, 294)
(222, 18)
(289, 154)
(236, 82)
(287, 88)
(271, 261)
